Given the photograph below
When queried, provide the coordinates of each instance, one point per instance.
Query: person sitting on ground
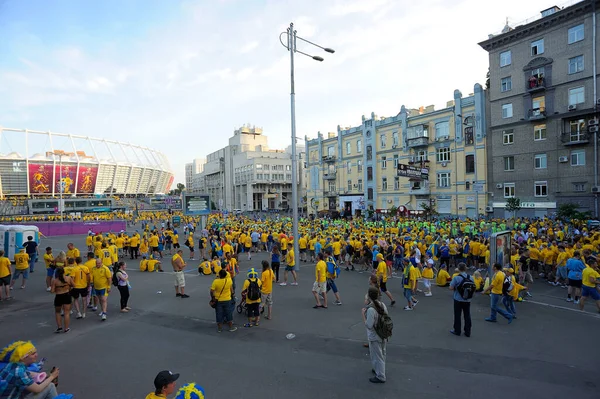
(205, 267)
(443, 278)
(164, 385)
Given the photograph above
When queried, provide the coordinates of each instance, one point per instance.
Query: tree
(569, 211)
(487, 79)
(393, 211)
(513, 205)
(213, 206)
(178, 190)
(428, 210)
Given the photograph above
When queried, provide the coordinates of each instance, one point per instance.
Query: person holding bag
(221, 292)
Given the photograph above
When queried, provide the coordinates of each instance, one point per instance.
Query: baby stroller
(242, 307)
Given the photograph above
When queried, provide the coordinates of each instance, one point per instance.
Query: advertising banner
(414, 172)
(40, 178)
(170, 183)
(194, 204)
(66, 182)
(86, 179)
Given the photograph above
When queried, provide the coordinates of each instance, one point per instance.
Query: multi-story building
(192, 170)
(543, 98)
(356, 169)
(247, 175)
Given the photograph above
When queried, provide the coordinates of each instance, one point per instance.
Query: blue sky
(180, 76)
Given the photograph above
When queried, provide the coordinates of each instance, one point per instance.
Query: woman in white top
(123, 286)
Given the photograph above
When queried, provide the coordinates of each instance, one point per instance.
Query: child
(478, 280)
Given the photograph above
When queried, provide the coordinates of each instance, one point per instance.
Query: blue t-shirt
(275, 257)
(575, 268)
(455, 283)
(317, 247)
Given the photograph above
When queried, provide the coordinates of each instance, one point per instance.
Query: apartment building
(543, 111)
(356, 168)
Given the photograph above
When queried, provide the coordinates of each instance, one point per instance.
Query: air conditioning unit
(593, 129)
(593, 122)
(598, 101)
(489, 209)
(446, 137)
(499, 185)
(444, 164)
(355, 185)
(563, 159)
(596, 189)
(394, 146)
(572, 107)
(437, 139)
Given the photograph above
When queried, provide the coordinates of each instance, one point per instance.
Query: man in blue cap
(252, 291)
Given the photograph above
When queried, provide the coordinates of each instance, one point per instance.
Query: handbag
(213, 301)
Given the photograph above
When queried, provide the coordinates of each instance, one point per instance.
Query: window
(579, 187)
(258, 166)
(382, 137)
(509, 190)
(383, 162)
(443, 179)
(384, 184)
(539, 105)
(370, 194)
(396, 183)
(506, 84)
(539, 132)
(359, 185)
(507, 111)
(509, 163)
(396, 161)
(443, 154)
(359, 146)
(359, 165)
(505, 58)
(470, 163)
(578, 158)
(288, 176)
(442, 129)
(259, 176)
(576, 34)
(369, 173)
(331, 186)
(577, 130)
(576, 64)
(348, 148)
(576, 96)
(288, 167)
(421, 155)
(349, 167)
(395, 139)
(369, 153)
(508, 137)
(537, 47)
(349, 185)
(540, 188)
(540, 161)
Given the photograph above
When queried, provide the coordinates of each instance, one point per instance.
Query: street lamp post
(291, 47)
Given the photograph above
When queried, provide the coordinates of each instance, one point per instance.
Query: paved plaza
(551, 351)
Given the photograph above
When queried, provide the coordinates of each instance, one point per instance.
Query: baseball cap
(164, 378)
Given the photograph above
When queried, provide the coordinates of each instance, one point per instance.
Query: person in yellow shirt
(154, 264)
(49, 262)
(302, 246)
(409, 280)
(443, 277)
(101, 279)
(89, 241)
(509, 297)
(320, 285)
(221, 291)
(496, 289)
(382, 277)
(252, 304)
(21, 268)
(4, 277)
(72, 252)
(216, 265)
(164, 385)
(205, 267)
(590, 279)
(267, 277)
(81, 284)
(144, 264)
(230, 264)
(290, 261)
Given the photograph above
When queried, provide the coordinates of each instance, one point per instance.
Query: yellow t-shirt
(72, 253)
(442, 278)
(152, 264)
(267, 278)
(4, 267)
(48, 258)
(222, 289)
(144, 265)
(205, 266)
(101, 277)
(382, 272)
(245, 287)
(106, 257)
(153, 241)
(587, 274)
(302, 243)
(497, 283)
(290, 259)
(152, 395)
(80, 275)
(412, 277)
(478, 283)
(21, 261)
(337, 247)
(320, 270)
(216, 264)
(231, 267)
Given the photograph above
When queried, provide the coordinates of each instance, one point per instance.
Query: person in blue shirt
(575, 267)
(461, 305)
(374, 260)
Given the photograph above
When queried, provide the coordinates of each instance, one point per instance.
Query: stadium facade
(35, 163)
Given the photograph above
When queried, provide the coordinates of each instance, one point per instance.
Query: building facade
(246, 175)
(543, 103)
(356, 169)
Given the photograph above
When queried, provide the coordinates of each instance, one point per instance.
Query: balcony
(535, 84)
(329, 175)
(329, 158)
(331, 193)
(417, 142)
(575, 138)
(420, 190)
(536, 114)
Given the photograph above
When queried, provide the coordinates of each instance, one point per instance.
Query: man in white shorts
(178, 266)
(320, 285)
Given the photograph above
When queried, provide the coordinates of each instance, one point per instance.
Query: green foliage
(570, 211)
(213, 206)
(393, 211)
(428, 210)
(513, 204)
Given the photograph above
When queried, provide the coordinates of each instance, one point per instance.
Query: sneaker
(393, 303)
(62, 312)
(94, 308)
(338, 302)
(232, 329)
(408, 308)
(101, 314)
(428, 294)
(185, 296)
(529, 294)
(283, 284)
(415, 303)
(104, 317)
(48, 289)
(569, 299)
(490, 319)
(67, 330)
(79, 316)
(576, 302)
(11, 288)
(294, 283)
(58, 330)
(177, 295)
(83, 316)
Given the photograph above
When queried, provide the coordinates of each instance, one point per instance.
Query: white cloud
(249, 47)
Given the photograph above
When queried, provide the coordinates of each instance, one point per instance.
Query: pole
(595, 106)
(292, 49)
(60, 185)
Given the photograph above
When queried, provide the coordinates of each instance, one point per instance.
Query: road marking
(597, 316)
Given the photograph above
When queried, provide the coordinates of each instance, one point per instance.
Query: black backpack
(253, 290)
(384, 325)
(507, 285)
(466, 288)
(115, 279)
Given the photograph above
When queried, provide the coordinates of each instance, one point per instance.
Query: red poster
(169, 184)
(40, 178)
(86, 181)
(65, 179)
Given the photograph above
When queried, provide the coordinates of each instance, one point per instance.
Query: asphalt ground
(551, 351)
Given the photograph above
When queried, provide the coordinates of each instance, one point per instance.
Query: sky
(180, 76)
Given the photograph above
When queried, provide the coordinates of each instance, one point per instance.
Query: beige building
(356, 169)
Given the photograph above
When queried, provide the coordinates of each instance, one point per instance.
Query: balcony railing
(574, 138)
(329, 158)
(536, 84)
(331, 193)
(329, 175)
(421, 190)
(417, 142)
(537, 113)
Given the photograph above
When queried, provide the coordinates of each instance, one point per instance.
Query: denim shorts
(223, 311)
(18, 272)
(331, 286)
(50, 272)
(408, 294)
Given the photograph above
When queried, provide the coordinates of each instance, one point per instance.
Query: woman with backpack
(375, 316)
(252, 292)
(123, 285)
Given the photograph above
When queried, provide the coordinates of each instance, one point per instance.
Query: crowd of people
(447, 253)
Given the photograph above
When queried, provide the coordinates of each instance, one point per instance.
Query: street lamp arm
(314, 57)
(281, 41)
(327, 49)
